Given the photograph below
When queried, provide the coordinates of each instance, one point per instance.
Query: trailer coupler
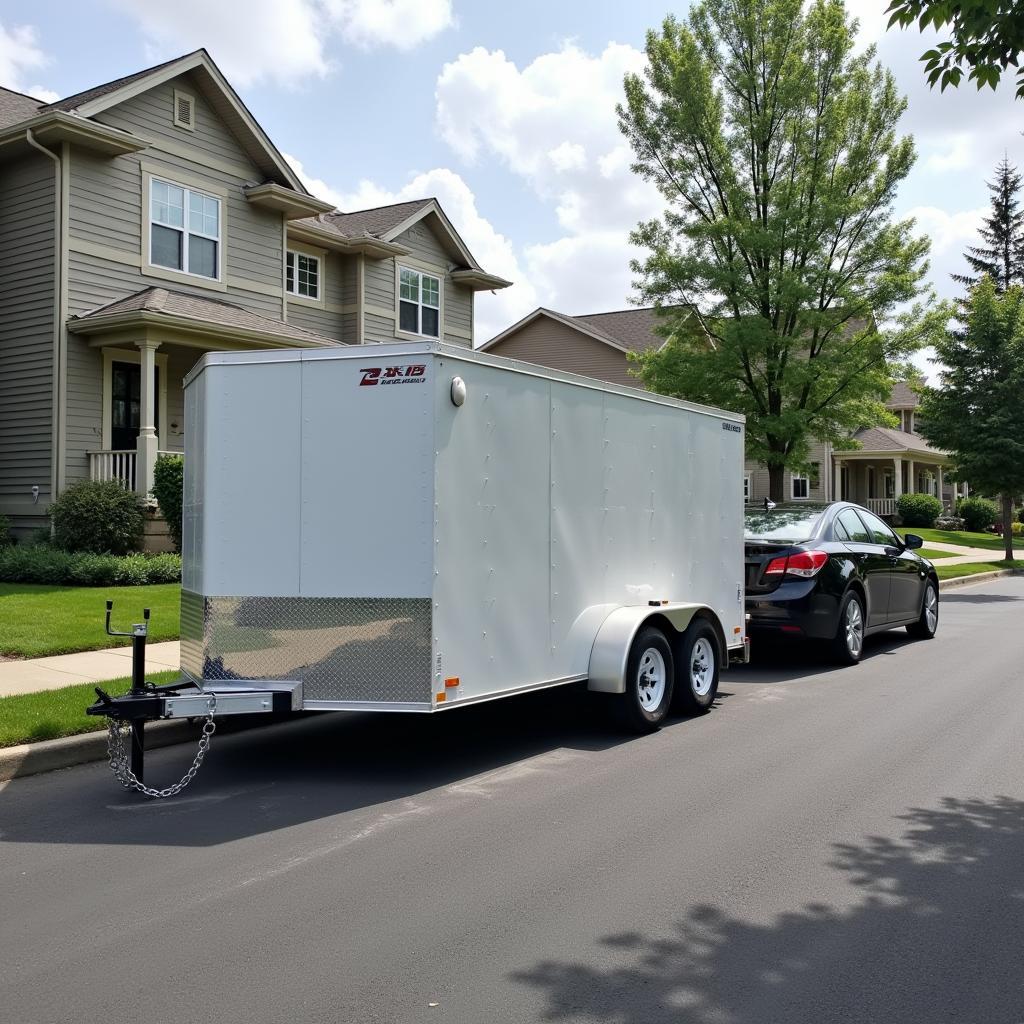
(127, 714)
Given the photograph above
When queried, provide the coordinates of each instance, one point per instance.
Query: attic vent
(184, 110)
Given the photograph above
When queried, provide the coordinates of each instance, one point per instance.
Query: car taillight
(803, 563)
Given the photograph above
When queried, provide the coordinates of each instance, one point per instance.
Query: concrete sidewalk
(963, 555)
(89, 666)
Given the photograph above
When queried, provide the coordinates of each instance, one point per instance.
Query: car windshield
(782, 525)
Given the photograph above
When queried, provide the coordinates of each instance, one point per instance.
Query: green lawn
(992, 541)
(37, 620)
(933, 554)
(948, 572)
(30, 717)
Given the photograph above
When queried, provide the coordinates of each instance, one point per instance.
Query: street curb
(978, 577)
(49, 755)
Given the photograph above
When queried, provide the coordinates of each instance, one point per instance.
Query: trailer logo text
(734, 427)
(413, 373)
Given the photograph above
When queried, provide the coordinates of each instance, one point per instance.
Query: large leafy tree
(977, 413)
(986, 36)
(775, 148)
(1002, 255)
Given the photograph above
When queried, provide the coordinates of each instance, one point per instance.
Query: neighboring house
(151, 219)
(890, 461)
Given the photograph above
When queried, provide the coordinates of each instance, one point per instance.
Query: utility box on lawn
(415, 527)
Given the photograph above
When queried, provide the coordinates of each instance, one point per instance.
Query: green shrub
(1017, 529)
(919, 509)
(43, 563)
(98, 517)
(168, 482)
(977, 513)
(5, 531)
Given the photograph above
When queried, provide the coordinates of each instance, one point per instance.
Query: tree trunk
(776, 482)
(1007, 526)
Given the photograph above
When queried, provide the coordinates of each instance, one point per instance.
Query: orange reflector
(440, 697)
(736, 629)
(454, 681)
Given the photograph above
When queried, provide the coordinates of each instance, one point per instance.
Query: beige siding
(84, 427)
(338, 284)
(550, 343)
(26, 336)
(820, 453)
(378, 328)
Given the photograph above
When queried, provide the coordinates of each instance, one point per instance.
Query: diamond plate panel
(365, 649)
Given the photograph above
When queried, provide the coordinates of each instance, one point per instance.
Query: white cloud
(553, 123)
(955, 153)
(20, 55)
(403, 24)
(284, 41)
(492, 250)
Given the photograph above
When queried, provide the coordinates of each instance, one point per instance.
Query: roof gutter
(59, 300)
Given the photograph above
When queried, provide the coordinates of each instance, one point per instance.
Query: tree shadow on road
(931, 932)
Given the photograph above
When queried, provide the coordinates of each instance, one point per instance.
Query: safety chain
(120, 763)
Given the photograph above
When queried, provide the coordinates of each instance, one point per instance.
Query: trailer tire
(698, 656)
(650, 677)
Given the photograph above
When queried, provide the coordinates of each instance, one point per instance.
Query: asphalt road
(825, 845)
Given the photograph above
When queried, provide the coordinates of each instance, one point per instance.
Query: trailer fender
(615, 637)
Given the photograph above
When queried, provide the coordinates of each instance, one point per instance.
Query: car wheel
(697, 660)
(848, 644)
(650, 677)
(928, 623)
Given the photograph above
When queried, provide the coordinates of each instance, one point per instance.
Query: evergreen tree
(1002, 258)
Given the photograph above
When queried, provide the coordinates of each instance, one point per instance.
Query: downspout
(58, 293)
(284, 267)
(360, 297)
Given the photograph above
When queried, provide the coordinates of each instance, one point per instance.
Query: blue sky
(505, 112)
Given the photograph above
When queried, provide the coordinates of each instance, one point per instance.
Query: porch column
(911, 479)
(953, 498)
(837, 476)
(147, 445)
(897, 478)
(938, 479)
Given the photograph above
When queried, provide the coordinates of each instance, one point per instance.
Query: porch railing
(882, 506)
(109, 464)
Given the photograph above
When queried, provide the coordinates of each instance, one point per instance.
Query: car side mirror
(911, 540)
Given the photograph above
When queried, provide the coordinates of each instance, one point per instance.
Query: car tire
(650, 677)
(697, 663)
(927, 625)
(848, 643)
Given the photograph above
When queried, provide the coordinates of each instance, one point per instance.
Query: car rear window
(782, 525)
(854, 528)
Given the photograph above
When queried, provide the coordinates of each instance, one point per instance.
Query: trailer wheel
(697, 654)
(650, 676)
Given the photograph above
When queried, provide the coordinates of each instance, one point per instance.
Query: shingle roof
(632, 329)
(886, 439)
(903, 396)
(16, 106)
(377, 221)
(208, 311)
(79, 99)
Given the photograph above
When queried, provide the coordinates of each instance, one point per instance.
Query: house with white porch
(150, 219)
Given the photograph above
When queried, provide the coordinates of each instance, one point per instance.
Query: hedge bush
(5, 531)
(95, 516)
(919, 509)
(978, 514)
(949, 523)
(168, 482)
(44, 563)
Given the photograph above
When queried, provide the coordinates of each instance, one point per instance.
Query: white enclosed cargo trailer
(415, 527)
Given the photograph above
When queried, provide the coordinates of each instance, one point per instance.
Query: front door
(125, 404)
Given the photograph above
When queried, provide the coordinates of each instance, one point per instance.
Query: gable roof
(628, 330)
(376, 221)
(886, 439)
(903, 396)
(217, 91)
(17, 106)
(172, 308)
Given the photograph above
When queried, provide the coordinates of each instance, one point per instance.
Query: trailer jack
(127, 714)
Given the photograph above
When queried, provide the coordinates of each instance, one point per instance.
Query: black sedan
(835, 573)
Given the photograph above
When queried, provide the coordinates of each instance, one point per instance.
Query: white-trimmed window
(746, 487)
(419, 303)
(184, 229)
(302, 274)
(802, 483)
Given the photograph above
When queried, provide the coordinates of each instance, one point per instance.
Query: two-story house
(150, 219)
(888, 462)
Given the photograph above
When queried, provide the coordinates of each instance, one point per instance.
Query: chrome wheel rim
(651, 678)
(854, 629)
(931, 608)
(702, 667)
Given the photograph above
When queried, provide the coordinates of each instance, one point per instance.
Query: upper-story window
(302, 274)
(419, 303)
(184, 228)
